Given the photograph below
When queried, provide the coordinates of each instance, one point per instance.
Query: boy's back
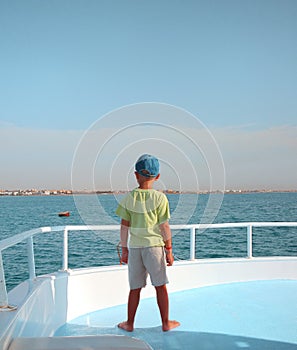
(145, 209)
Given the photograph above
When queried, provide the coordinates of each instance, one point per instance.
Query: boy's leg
(163, 303)
(133, 301)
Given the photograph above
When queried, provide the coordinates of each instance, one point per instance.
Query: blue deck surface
(249, 315)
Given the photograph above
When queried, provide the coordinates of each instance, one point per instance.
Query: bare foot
(125, 326)
(170, 325)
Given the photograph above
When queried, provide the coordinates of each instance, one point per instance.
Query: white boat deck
(222, 304)
(228, 316)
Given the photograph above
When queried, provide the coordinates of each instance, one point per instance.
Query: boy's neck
(144, 182)
(147, 185)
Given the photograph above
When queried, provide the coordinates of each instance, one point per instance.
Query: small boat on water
(222, 303)
(64, 213)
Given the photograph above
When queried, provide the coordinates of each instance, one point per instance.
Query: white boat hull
(49, 302)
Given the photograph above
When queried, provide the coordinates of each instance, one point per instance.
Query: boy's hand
(169, 257)
(125, 253)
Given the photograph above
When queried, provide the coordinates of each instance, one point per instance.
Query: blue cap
(147, 166)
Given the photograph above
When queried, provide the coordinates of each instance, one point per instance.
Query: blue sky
(66, 64)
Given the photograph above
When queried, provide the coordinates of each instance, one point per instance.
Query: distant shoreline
(17, 193)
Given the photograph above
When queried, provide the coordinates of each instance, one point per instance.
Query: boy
(145, 213)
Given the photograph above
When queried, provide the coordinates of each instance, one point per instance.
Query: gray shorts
(144, 261)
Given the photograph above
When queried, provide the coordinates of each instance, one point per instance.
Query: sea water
(88, 248)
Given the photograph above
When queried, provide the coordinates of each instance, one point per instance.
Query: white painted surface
(107, 342)
(56, 299)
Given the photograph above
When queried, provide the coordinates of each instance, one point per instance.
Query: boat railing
(27, 236)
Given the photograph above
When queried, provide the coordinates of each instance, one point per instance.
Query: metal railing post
(3, 291)
(249, 241)
(65, 250)
(31, 260)
(192, 243)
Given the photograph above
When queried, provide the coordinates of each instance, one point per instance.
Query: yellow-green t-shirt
(145, 210)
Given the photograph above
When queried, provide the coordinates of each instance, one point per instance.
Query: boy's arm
(166, 234)
(124, 231)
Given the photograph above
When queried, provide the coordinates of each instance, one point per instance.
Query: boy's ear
(157, 177)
